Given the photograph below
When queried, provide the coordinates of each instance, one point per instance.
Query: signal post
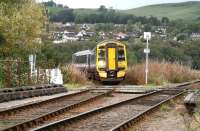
(147, 37)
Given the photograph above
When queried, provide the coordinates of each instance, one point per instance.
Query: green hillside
(86, 11)
(185, 10)
(54, 10)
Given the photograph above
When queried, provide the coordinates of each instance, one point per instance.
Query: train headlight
(102, 64)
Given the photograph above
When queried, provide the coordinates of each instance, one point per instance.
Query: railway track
(101, 102)
(24, 117)
(70, 108)
(119, 116)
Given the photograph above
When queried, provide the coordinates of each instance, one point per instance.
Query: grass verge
(161, 73)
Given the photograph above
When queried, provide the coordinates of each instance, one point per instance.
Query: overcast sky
(116, 4)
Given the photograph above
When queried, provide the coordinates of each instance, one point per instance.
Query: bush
(73, 75)
(161, 73)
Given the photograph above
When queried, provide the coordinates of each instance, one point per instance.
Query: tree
(182, 37)
(154, 21)
(102, 8)
(130, 25)
(21, 25)
(50, 3)
(148, 28)
(194, 27)
(165, 20)
(60, 5)
(64, 16)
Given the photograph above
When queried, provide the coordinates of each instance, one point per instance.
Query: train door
(111, 58)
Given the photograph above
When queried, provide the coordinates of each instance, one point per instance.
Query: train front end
(111, 61)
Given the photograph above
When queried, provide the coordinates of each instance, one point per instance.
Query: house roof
(121, 34)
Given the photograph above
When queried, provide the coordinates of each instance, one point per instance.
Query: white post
(32, 62)
(147, 62)
(147, 36)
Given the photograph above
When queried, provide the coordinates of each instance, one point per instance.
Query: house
(163, 36)
(81, 34)
(68, 24)
(102, 35)
(118, 25)
(85, 27)
(90, 34)
(70, 36)
(62, 37)
(121, 36)
(160, 29)
(59, 41)
(55, 35)
(135, 34)
(195, 36)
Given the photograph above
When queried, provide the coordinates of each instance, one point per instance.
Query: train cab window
(121, 55)
(101, 54)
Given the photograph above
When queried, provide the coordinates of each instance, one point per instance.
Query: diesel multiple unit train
(107, 62)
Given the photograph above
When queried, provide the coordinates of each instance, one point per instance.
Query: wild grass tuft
(161, 73)
(73, 75)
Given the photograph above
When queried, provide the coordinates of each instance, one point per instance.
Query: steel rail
(123, 126)
(129, 123)
(88, 113)
(33, 122)
(21, 107)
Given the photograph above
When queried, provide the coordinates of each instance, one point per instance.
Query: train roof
(84, 52)
(110, 41)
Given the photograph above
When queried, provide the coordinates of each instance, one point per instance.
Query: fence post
(38, 74)
(49, 67)
(29, 75)
(45, 77)
(49, 76)
(8, 74)
(19, 72)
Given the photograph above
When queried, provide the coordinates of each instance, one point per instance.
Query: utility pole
(147, 37)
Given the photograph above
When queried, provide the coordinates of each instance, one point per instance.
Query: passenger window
(81, 59)
(101, 54)
(121, 55)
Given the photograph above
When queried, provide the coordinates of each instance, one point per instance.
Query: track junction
(92, 109)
